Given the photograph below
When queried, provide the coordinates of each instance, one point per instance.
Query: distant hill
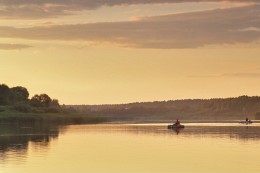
(201, 109)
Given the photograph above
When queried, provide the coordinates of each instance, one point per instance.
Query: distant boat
(175, 126)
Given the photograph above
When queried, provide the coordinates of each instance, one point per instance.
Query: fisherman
(177, 123)
(247, 119)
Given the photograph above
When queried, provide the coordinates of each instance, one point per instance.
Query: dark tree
(42, 100)
(4, 94)
(45, 100)
(18, 94)
(35, 101)
(54, 103)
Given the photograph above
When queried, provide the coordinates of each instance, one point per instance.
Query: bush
(22, 108)
(37, 110)
(2, 108)
(52, 110)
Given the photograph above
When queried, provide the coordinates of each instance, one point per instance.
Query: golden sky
(119, 51)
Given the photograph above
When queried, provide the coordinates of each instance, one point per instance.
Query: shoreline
(95, 121)
(81, 118)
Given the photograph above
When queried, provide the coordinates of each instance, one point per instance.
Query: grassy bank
(11, 116)
(52, 118)
(257, 116)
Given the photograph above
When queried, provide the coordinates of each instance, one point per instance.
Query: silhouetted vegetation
(17, 98)
(4, 94)
(18, 94)
(17, 107)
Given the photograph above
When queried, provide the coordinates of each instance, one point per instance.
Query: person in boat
(177, 123)
(248, 121)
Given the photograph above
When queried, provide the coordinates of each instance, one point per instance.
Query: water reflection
(129, 148)
(15, 139)
(233, 131)
(243, 133)
(177, 130)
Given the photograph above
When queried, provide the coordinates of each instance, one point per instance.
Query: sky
(121, 51)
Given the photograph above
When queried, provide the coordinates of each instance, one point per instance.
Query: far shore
(78, 118)
(182, 121)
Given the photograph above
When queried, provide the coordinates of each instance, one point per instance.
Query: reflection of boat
(175, 126)
(245, 122)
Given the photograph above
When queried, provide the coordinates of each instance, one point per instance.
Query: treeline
(17, 98)
(219, 108)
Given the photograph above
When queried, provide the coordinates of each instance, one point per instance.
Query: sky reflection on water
(130, 148)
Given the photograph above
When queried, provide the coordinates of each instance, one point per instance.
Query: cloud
(187, 30)
(13, 46)
(34, 9)
(250, 29)
(238, 75)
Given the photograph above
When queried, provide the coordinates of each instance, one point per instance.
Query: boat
(175, 126)
(245, 122)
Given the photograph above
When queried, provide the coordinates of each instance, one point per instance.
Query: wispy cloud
(33, 9)
(13, 46)
(239, 75)
(250, 29)
(188, 30)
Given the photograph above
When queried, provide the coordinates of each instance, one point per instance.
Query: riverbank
(13, 117)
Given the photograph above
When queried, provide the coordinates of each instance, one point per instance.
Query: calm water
(145, 148)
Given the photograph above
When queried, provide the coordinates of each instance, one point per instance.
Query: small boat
(245, 122)
(175, 126)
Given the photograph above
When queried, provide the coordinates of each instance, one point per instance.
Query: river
(130, 148)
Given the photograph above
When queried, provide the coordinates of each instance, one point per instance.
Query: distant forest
(17, 99)
(217, 108)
